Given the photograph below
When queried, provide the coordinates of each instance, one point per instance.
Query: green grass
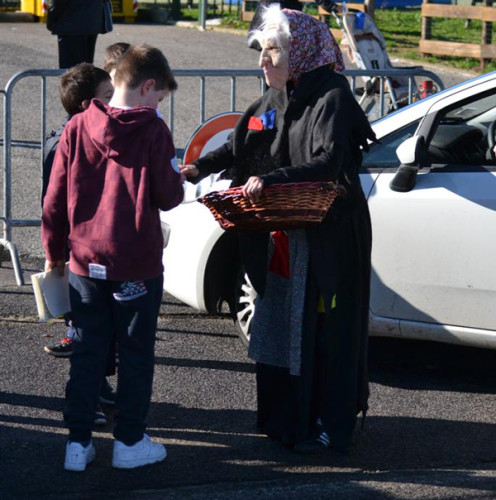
(215, 9)
(192, 14)
(232, 21)
(401, 29)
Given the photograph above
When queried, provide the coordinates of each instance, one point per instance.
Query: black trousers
(76, 49)
(96, 315)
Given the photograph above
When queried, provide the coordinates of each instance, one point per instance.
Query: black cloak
(318, 134)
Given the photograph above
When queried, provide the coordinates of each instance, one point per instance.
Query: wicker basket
(281, 206)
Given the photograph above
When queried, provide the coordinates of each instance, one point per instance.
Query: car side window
(383, 154)
(460, 137)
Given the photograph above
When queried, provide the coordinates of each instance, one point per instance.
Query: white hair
(274, 27)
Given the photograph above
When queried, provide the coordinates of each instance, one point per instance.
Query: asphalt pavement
(430, 432)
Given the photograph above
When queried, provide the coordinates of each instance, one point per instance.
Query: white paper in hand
(52, 294)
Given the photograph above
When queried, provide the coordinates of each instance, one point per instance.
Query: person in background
(114, 169)
(77, 88)
(112, 55)
(310, 326)
(77, 23)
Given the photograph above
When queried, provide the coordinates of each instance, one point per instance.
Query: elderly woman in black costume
(309, 331)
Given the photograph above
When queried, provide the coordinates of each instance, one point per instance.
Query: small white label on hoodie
(175, 165)
(97, 271)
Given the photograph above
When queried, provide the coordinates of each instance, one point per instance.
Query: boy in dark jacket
(114, 169)
(77, 87)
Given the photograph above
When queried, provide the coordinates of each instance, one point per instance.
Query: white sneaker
(77, 457)
(144, 452)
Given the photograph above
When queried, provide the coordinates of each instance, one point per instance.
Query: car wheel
(244, 306)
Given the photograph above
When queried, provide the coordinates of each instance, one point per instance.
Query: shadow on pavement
(433, 366)
(217, 446)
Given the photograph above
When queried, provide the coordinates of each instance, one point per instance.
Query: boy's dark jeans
(96, 315)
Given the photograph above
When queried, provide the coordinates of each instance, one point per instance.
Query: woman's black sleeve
(325, 167)
(215, 161)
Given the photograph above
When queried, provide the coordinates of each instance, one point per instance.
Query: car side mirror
(409, 154)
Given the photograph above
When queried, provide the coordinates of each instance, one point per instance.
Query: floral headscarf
(312, 45)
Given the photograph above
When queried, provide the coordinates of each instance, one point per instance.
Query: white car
(431, 189)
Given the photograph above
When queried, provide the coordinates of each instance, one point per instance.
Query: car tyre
(243, 306)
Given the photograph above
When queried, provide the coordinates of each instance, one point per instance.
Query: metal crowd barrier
(6, 217)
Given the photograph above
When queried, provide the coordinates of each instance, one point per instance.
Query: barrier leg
(16, 263)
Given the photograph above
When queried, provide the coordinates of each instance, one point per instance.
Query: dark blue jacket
(49, 149)
(79, 17)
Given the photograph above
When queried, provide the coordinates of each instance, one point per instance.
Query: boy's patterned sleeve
(166, 185)
(54, 218)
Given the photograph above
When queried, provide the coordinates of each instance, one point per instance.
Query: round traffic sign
(210, 135)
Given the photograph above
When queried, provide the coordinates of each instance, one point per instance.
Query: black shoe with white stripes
(319, 444)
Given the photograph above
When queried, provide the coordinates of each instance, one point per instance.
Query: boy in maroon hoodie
(114, 169)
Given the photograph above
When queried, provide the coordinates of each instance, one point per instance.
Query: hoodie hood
(112, 128)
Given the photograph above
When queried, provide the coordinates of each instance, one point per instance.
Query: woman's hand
(188, 171)
(253, 189)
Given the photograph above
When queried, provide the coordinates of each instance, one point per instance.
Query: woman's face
(275, 64)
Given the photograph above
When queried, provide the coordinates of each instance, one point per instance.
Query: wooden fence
(485, 13)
